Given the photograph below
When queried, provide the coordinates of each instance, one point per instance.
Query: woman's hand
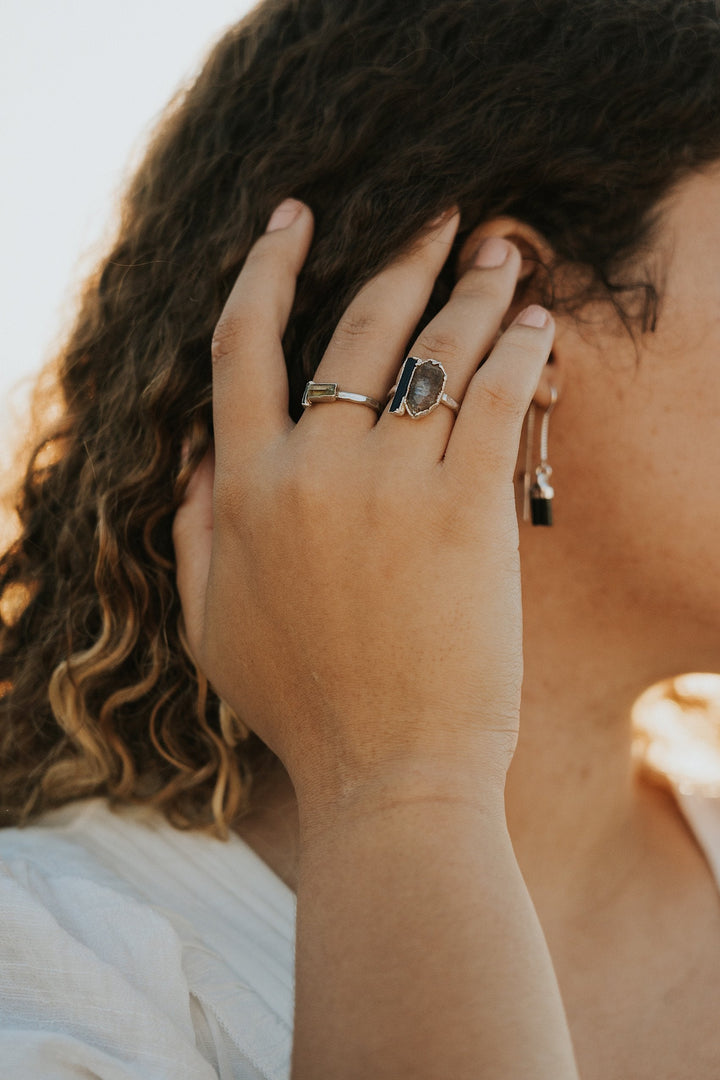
(351, 583)
(351, 588)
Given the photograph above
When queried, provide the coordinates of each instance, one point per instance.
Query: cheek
(637, 479)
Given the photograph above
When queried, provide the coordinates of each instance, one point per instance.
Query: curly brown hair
(575, 116)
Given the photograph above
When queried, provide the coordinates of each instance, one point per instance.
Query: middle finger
(459, 337)
(367, 345)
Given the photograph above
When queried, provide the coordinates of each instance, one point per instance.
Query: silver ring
(420, 389)
(316, 392)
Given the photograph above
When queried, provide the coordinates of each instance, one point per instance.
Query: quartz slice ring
(420, 389)
(316, 392)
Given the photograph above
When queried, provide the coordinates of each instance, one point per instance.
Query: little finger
(489, 424)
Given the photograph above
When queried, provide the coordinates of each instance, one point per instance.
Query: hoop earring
(538, 493)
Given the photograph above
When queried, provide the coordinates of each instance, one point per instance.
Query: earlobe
(550, 384)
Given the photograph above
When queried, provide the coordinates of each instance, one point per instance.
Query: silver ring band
(444, 399)
(316, 392)
(420, 389)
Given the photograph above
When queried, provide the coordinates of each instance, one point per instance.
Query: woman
(535, 186)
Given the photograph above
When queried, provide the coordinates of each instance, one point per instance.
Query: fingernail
(446, 215)
(533, 316)
(284, 215)
(492, 252)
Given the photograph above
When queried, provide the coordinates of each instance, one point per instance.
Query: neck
(581, 820)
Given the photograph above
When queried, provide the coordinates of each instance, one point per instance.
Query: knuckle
(434, 343)
(495, 398)
(500, 400)
(355, 325)
(476, 286)
(524, 343)
(228, 331)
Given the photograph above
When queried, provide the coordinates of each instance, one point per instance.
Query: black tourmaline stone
(426, 386)
(541, 510)
(541, 497)
(403, 382)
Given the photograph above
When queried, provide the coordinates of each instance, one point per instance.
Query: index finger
(250, 387)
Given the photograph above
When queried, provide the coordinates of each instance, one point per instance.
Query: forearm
(419, 952)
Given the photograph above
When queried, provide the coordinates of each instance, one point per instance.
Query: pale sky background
(81, 82)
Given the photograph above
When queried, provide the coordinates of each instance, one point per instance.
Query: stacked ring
(420, 389)
(316, 392)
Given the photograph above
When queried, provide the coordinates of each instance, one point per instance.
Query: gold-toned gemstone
(319, 391)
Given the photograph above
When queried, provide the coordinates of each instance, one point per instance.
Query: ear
(534, 286)
(537, 254)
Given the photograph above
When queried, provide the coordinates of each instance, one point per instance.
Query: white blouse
(132, 951)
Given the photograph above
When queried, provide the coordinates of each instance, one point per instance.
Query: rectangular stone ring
(420, 389)
(316, 392)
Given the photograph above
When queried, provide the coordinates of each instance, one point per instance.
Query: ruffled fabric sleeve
(92, 985)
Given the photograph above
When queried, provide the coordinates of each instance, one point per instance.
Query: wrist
(335, 803)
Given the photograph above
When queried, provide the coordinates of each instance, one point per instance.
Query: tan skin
(613, 599)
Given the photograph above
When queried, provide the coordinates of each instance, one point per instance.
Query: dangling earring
(538, 494)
